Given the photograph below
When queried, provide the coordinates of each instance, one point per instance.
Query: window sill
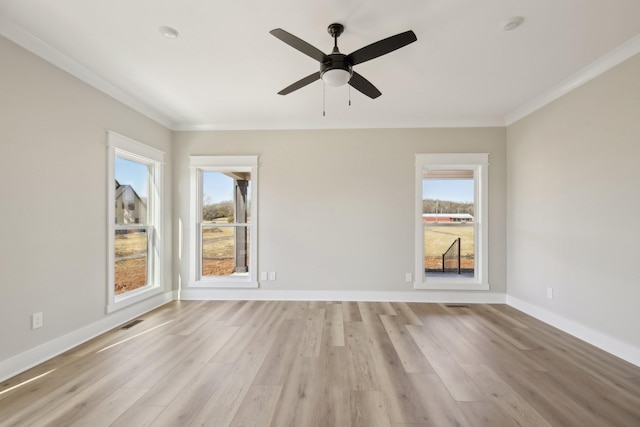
(452, 285)
(228, 282)
(133, 297)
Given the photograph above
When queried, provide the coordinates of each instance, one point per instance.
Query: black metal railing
(451, 258)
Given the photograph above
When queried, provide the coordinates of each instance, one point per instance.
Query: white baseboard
(605, 342)
(30, 358)
(311, 295)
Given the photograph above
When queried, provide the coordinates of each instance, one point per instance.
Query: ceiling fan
(336, 69)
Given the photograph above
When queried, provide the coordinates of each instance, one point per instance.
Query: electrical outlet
(37, 320)
(272, 275)
(550, 293)
(407, 277)
(263, 276)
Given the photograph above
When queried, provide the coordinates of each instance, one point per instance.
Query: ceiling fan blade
(363, 85)
(381, 47)
(300, 83)
(300, 45)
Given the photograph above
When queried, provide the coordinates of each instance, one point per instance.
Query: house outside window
(134, 215)
(451, 250)
(223, 250)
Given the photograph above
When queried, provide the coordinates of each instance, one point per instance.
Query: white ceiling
(225, 69)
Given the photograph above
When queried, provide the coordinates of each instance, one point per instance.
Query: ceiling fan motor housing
(337, 61)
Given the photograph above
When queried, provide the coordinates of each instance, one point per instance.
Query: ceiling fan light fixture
(336, 77)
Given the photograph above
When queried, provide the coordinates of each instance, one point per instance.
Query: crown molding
(423, 124)
(33, 44)
(620, 54)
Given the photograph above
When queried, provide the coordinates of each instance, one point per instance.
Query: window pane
(225, 250)
(131, 260)
(132, 191)
(448, 206)
(226, 195)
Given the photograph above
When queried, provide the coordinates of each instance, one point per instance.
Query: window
(451, 221)
(223, 221)
(135, 188)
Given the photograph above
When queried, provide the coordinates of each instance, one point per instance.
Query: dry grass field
(131, 261)
(218, 247)
(437, 240)
(217, 251)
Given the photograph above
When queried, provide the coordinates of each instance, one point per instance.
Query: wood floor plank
(498, 324)
(496, 350)
(312, 335)
(150, 320)
(139, 416)
(412, 359)
(189, 402)
(221, 408)
(244, 314)
(486, 414)
(384, 308)
(41, 396)
(109, 409)
(82, 404)
(334, 325)
(500, 393)
(572, 345)
(450, 336)
(157, 368)
(499, 317)
(331, 407)
(362, 372)
(258, 406)
(591, 401)
(297, 309)
(551, 402)
(439, 406)
(225, 309)
(328, 363)
(404, 314)
(316, 390)
(166, 388)
(350, 312)
(368, 410)
(277, 363)
(401, 399)
(232, 349)
(454, 378)
(142, 336)
(604, 367)
(294, 408)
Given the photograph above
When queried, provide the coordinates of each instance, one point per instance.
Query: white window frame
(198, 165)
(127, 148)
(478, 163)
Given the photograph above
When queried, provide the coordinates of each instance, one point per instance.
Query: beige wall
(336, 207)
(54, 198)
(573, 199)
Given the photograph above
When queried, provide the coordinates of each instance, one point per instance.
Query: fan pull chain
(349, 95)
(324, 100)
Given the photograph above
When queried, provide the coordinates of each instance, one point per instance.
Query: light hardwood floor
(258, 363)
